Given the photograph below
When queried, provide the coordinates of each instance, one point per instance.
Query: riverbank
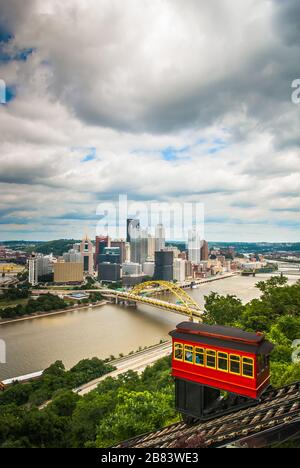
(118, 362)
(55, 312)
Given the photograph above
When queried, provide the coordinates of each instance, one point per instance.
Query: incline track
(275, 408)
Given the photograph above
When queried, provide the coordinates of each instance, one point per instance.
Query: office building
(143, 246)
(130, 281)
(188, 269)
(110, 255)
(194, 247)
(160, 237)
(101, 242)
(73, 256)
(76, 247)
(87, 251)
(133, 225)
(40, 267)
(122, 246)
(151, 247)
(129, 268)
(127, 252)
(179, 270)
(68, 272)
(204, 251)
(33, 272)
(139, 246)
(173, 249)
(148, 269)
(109, 272)
(182, 255)
(133, 237)
(163, 266)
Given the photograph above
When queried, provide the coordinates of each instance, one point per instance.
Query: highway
(136, 362)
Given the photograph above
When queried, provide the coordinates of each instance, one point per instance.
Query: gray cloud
(152, 75)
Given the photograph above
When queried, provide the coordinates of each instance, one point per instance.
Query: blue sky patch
(91, 156)
(171, 154)
(18, 56)
(11, 93)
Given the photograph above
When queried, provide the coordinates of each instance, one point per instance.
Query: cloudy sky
(162, 100)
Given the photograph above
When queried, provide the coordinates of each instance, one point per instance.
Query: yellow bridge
(141, 293)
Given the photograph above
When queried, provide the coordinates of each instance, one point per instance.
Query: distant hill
(57, 247)
(248, 247)
(259, 247)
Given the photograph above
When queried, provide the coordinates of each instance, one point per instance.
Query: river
(32, 345)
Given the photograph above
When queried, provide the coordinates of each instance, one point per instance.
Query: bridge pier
(124, 302)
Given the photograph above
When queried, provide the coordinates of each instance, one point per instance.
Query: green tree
(222, 310)
(135, 413)
(64, 403)
(270, 284)
(88, 414)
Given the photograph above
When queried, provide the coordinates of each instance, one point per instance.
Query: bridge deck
(154, 302)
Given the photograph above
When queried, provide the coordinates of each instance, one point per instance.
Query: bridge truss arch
(186, 300)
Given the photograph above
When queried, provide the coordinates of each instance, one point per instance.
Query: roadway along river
(108, 330)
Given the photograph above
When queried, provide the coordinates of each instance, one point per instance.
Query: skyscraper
(33, 271)
(86, 249)
(204, 251)
(39, 266)
(143, 246)
(73, 257)
(163, 266)
(110, 272)
(151, 247)
(127, 252)
(133, 237)
(179, 269)
(194, 247)
(122, 246)
(132, 226)
(110, 255)
(160, 237)
(129, 268)
(100, 243)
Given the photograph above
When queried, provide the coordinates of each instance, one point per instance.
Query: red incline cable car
(207, 359)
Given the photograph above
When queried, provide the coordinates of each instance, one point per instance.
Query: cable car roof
(217, 335)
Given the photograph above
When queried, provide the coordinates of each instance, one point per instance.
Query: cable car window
(199, 356)
(248, 367)
(188, 354)
(223, 362)
(178, 351)
(234, 364)
(211, 359)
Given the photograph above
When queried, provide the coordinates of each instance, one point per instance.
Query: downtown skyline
(145, 100)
